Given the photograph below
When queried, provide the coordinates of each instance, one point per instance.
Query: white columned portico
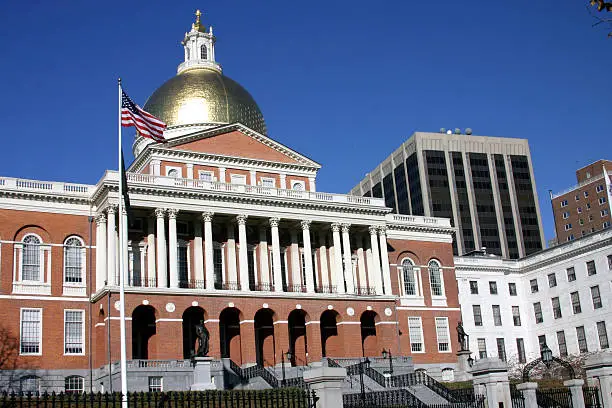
(173, 248)
(264, 268)
(348, 262)
(337, 268)
(198, 255)
(307, 256)
(111, 247)
(361, 263)
(231, 255)
(162, 277)
(209, 250)
(384, 259)
(276, 255)
(296, 278)
(151, 260)
(323, 260)
(375, 276)
(101, 277)
(243, 260)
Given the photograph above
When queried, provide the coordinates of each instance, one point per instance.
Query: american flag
(146, 124)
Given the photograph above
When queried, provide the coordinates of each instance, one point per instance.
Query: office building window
(602, 200)
(562, 343)
(534, 285)
(566, 215)
(586, 194)
(516, 315)
(599, 188)
(610, 262)
(591, 270)
(556, 306)
(563, 203)
(415, 328)
(576, 302)
(568, 227)
(570, 237)
(477, 315)
(602, 332)
(31, 322)
(596, 296)
(496, 315)
(552, 280)
(512, 288)
(501, 349)
(537, 310)
(541, 341)
(156, 384)
(582, 342)
(571, 274)
(520, 348)
(493, 288)
(482, 348)
(474, 287)
(443, 334)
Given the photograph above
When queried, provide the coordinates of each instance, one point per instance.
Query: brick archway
(264, 337)
(143, 328)
(369, 339)
(298, 340)
(229, 334)
(191, 317)
(331, 341)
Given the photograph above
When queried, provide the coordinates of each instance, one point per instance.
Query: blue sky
(344, 82)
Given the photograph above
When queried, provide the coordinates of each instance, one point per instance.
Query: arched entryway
(143, 328)
(191, 317)
(264, 337)
(369, 341)
(298, 342)
(331, 344)
(229, 334)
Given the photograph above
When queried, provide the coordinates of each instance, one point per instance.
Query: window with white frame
(29, 385)
(565, 215)
(218, 265)
(31, 259)
(564, 203)
(298, 186)
(74, 384)
(408, 273)
(603, 212)
(415, 329)
(205, 175)
(602, 200)
(482, 348)
(582, 341)
(579, 210)
(156, 384)
(268, 182)
(238, 179)
(562, 343)
(31, 331)
(174, 172)
(74, 332)
(435, 278)
(203, 52)
(448, 375)
(586, 194)
(182, 260)
(568, 227)
(602, 333)
(570, 237)
(599, 188)
(74, 261)
(596, 296)
(443, 334)
(605, 225)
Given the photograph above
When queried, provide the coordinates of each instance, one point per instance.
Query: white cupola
(199, 48)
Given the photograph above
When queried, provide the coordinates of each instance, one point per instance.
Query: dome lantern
(199, 48)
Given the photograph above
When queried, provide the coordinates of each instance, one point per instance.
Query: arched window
(29, 385)
(173, 173)
(448, 374)
(297, 186)
(74, 384)
(409, 281)
(203, 52)
(435, 279)
(30, 258)
(73, 260)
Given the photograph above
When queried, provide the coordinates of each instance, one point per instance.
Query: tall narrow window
(408, 273)
(596, 297)
(575, 296)
(482, 348)
(501, 349)
(474, 287)
(541, 341)
(497, 315)
(552, 280)
(556, 306)
(31, 320)
(520, 348)
(435, 279)
(182, 263)
(603, 335)
(443, 334)
(415, 328)
(516, 315)
(73, 332)
(591, 269)
(203, 52)
(218, 265)
(73, 261)
(582, 341)
(562, 343)
(571, 274)
(534, 285)
(610, 262)
(537, 310)
(477, 315)
(493, 288)
(30, 259)
(512, 288)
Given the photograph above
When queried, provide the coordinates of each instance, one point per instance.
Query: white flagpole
(124, 401)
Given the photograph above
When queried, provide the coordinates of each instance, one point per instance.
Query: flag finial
(198, 26)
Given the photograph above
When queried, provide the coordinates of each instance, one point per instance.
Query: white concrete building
(562, 295)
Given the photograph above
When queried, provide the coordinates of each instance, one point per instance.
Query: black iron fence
(326, 289)
(591, 397)
(262, 287)
(285, 398)
(365, 291)
(554, 398)
(192, 284)
(383, 399)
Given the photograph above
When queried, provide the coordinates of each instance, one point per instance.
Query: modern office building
(585, 207)
(485, 185)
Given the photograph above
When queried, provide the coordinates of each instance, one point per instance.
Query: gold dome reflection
(193, 111)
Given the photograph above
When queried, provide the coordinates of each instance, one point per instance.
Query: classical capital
(101, 218)
(382, 230)
(346, 228)
(172, 213)
(373, 229)
(112, 208)
(274, 222)
(160, 212)
(207, 216)
(305, 224)
(241, 219)
(335, 227)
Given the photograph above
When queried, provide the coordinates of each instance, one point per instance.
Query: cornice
(424, 228)
(45, 196)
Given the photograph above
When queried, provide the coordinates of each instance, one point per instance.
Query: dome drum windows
(32, 266)
(203, 52)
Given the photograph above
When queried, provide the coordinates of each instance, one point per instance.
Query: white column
(101, 277)
(111, 247)
(264, 268)
(253, 177)
(361, 263)
(307, 256)
(198, 255)
(209, 250)
(276, 255)
(323, 259)
(374, 273)
(313, 186)
(384, 260)
(151, 260)
(370, 265)
(243, 261)
(296, 271)
(162, 277)
(231, 255)
(338, 274)
(189, 167)
(222, 174)
(173, 248)
(283, 181)
(348, 262)
(156, 167)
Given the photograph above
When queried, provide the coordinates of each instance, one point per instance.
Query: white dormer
(199, 48)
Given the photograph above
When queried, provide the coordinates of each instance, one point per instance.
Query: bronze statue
(463, 338)
(203, 336)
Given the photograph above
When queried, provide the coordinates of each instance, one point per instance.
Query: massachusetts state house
(226, 226)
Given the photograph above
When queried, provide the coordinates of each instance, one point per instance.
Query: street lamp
(470, 361)
(365, 362)
(386, 353)
(284, 380)
(546, 355)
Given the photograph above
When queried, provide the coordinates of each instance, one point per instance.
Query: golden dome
(204, 97)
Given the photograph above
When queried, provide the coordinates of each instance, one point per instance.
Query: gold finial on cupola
(198, 26)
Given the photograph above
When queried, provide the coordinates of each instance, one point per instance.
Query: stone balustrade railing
(9, 183)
